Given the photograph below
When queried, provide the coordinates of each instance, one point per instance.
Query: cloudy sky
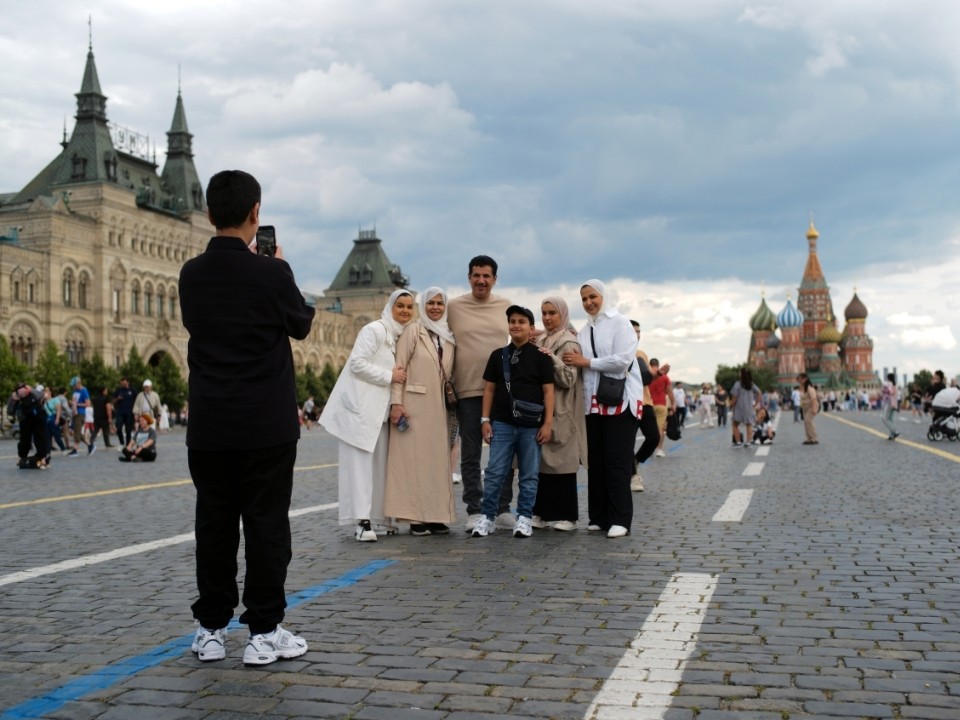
(675, 150)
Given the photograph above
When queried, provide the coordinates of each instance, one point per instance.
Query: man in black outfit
(241, 309)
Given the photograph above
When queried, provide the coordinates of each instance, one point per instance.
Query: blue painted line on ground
(123, 669)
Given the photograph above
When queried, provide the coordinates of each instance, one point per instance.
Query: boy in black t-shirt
(509, 433)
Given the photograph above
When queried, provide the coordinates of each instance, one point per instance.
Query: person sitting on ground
(763, 432)
(143, 444)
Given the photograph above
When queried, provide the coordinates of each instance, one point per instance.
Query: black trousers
(557, 497)
(650, 432)
(610, 441)
(33, 433)
(471, 449)
(124, 422)
(254, 485)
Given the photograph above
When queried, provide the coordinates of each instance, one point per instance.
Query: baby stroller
(945, 424)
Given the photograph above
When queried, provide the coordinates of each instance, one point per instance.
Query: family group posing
(553, 400)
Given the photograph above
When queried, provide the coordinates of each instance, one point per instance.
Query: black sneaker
(419, 529)
(438, 528)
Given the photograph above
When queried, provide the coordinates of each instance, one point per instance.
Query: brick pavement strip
(836, 595)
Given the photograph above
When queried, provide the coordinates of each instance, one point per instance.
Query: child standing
(510, 431)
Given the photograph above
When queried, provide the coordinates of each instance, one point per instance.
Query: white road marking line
(641, 687)
(754, 468)
(103, 557)
(763, 450)
(735, 506)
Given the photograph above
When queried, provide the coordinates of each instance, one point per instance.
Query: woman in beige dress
(561, 457)
(419, 490)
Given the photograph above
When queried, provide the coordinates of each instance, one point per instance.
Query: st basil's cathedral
(809, 340)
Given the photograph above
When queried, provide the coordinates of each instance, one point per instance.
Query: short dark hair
(231, 195)
(654, 361)
(482, 261)
(635, 324)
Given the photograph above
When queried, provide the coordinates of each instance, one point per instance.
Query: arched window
(148, 299)
(68, 288)
(22, 343)
(82, 286)
(76, 342)
(135, 298)
(161, 301)
(173, 305)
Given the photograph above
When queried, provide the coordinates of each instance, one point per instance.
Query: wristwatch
(484, 420)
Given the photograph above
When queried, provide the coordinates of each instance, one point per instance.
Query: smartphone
(266, 240)
(402, 423)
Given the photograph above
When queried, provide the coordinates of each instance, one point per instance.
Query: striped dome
(763, 318)
(789, 317)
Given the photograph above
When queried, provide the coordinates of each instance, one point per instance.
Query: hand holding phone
(267, 240)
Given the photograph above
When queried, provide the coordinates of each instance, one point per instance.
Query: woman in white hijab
(356, 414)
(419, 489)
(609, 343)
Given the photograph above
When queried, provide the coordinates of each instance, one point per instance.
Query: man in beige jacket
(476, 320)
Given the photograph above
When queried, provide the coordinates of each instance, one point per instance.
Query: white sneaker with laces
(565, 525)
(660, 453)
(506, 521)
(263, 649)
(523, 528)
(209, 644)
(365, 532)
(594, 528)
(636, 483)
(472, 522)
(537, 522)
(485, 526)
(617, 531)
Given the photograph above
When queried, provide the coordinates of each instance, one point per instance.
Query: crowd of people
(71, 419)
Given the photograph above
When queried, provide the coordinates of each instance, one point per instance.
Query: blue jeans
(509, 440)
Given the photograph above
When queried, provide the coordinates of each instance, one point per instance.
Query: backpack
(673, 426)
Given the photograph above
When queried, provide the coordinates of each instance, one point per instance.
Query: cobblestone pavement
(830, 590)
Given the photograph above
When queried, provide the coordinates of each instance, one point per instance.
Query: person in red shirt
(662, 396)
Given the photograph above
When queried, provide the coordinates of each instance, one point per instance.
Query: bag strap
(595, 351)
(505, 358)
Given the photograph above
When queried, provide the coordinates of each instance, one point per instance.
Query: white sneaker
(386, 530)
(264, 649)
(365, 532)
(472, 522)
(594, 528)
(209, 644)
(485, 526)
(636, 483)
(564, 525)
(506, 521)
(457, 479)
(616, 531)
(537, 522)
(660, 453)
(522, 528)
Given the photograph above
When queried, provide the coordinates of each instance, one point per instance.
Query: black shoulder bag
(609, 389)
(525, 414)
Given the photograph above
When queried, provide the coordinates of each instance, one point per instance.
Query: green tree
(53, 368)
(169, 383)
(328, 378)
(95, 374)
(135, 369)
(12, 371)
(922, 380)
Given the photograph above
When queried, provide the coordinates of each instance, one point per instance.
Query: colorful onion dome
(856, 310)
(763, 318)
(789, 317)
(829, 334)
(773, 341)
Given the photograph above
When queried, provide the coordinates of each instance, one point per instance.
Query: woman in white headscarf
(609, 343)
(562, 456)
(357, 412)
(419, 489)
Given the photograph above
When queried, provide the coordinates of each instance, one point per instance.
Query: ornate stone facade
(91, 250)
